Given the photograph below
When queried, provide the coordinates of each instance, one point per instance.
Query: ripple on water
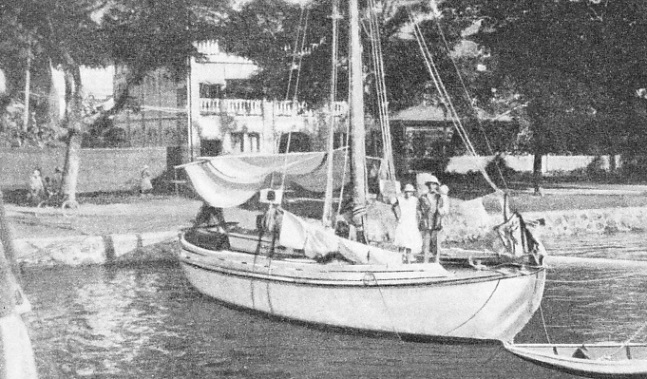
(147, 321)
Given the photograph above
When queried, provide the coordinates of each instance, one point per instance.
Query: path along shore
(147, 231)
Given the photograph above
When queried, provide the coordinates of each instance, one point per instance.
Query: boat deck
(241, 254)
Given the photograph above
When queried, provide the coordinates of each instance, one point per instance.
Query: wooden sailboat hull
(606, 360)
(414, 300)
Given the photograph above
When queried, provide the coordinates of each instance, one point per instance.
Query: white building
(219, 124)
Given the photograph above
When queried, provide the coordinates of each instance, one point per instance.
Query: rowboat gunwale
(592, 368)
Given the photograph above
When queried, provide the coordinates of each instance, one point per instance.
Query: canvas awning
(230, 180)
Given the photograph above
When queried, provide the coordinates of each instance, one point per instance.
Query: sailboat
(301, 271)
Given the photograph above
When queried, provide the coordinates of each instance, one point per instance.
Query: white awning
(230, 180)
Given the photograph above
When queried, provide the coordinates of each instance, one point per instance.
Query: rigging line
(294, 53)
(441, 87)
(425, 53)
(378, 61)
(343, 175)
(386, 307)
(373, 36)
(327, 217)
(627, 341)
(301, 53)
(543, 323)
(469, 100)
(388, 146)
(285, 160)
(480, 309)
(443, 91)
(348, 147)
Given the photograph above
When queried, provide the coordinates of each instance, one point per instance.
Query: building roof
(422, 112)
(427, 112)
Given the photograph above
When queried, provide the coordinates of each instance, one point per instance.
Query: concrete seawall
(468, 225)
(473, 224)
(95, 250)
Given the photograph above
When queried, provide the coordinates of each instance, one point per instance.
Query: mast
(358, 132)
(327, 218)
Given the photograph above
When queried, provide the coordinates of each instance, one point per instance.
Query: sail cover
(318, 242)
(230, 180)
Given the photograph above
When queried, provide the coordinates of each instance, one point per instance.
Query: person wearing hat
(407, 235)
(432, 207)
(145, 185)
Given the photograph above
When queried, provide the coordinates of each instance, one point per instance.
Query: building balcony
(241, 107)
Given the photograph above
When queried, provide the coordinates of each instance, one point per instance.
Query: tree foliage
(144, 35)
(267, 31)
(576, 63)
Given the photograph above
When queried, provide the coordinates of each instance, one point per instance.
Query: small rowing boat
(598, 360)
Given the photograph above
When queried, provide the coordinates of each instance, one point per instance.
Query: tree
(267, 32)
(580, 61)
(144, 35)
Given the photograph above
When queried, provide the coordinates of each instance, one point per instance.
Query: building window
(245, 142)
(210, 91)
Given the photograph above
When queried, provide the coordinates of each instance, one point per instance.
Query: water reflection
(147, 321)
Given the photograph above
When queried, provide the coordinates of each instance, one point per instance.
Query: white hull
(414, 300)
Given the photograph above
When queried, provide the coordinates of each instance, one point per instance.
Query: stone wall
(469, 224)
(101, 170)
(524, 163)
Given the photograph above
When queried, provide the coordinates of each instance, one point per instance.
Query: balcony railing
(239, 107)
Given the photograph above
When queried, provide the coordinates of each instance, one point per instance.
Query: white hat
(409, 188)
(431, 179)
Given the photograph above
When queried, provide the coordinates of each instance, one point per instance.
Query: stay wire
(294, 52)
(469, 101)
(435, 75)
(381, 90)
(301, 53)
(447, 99)
(430, 68)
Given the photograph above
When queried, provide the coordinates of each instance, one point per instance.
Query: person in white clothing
(407, 235)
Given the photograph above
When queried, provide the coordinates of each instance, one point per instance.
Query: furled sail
(318, 242)
(230, 180)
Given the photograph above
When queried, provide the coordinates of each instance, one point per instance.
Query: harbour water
(148, 322)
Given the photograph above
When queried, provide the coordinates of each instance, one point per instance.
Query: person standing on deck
(432, 207)
(407, 235)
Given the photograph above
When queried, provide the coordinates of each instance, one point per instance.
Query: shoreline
(158, 246)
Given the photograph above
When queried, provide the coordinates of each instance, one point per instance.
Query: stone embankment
(92, 250)
(468, 223)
